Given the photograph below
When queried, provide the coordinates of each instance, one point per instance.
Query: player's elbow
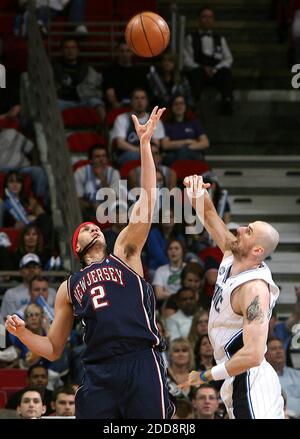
(255, 358)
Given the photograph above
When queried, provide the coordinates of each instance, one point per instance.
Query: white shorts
(255, 394)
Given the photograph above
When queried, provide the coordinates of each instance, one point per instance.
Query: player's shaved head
(266, 236)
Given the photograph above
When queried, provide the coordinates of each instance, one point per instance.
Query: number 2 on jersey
(98, 294)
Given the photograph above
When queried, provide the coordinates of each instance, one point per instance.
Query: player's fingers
(135, 121)
(206, 185)
(160, 112)
(154, 111)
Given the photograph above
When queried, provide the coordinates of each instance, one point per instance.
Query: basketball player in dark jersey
(124, 373)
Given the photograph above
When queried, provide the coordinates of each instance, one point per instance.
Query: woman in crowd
(185, 138)
(199, 326)
(204, 353)
(181, 362)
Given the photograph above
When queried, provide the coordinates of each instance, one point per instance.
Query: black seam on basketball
(146, 35)
(131, 39)
(150, 18)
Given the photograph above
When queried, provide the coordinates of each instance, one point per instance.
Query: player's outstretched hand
(193, 380)
(145, 132)
(15, 325)
(195, 186)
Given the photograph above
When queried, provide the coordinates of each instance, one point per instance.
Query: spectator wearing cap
(16, 297)
(92, 177)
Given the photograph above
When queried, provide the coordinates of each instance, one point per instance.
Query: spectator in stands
(184, 409)
(92, 177)
(288, 376)
(39, 287)
(206, 402)
(14, 298)
(77, 83)
(211, 257)
(204, 353)
(63, 401)
(19, 152)
(208, 60)
(118, 92)
(134, 176)
(21, 209)
(158, 238)
(166, 82)
(31, 241)
(119, 218)
(179, 324)
(283, 330)
(48, 10)
(191, 278)
(31, 404)
(166, 279)
(184, 138)
(124, 134)
(199, 326)
(37, 376)
(36, 323)
(181, 362)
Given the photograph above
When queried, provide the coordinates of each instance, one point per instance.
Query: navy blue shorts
(132, 386)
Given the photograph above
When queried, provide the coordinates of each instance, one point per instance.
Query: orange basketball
(147, 34)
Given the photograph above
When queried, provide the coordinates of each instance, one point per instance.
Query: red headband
(75, 236)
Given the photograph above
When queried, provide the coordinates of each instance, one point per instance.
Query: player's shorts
(255, 394)
(131, 386)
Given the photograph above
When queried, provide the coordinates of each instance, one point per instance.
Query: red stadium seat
(83, 141)
(79, 117)
(79, 164)
(3, 399)
(12, 380)
(114, 113)
(9, 122)
(128, 166)
(183, 168)
(14, 236)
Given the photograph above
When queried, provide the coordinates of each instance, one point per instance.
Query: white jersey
(225, 326)
(255, 393)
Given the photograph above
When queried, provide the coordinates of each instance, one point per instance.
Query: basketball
(147, 34)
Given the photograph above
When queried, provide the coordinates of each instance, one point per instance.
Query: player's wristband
(219, 372)
(203, 377)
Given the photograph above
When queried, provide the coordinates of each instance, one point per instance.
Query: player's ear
(77, 247)
(258, 250)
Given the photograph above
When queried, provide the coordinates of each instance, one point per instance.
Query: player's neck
(239, 266)
(94, 255)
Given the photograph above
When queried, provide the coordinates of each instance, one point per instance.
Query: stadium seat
(9, 122)
(79, 164)
(128, 166)
(14, 237)
(80, 117)
(114, 113)
(183, 168)
(12, 380)
(3, 399)
(83, 141)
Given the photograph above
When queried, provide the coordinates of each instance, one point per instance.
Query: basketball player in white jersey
(239, 316)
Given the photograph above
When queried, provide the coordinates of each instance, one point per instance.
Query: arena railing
(40, 100)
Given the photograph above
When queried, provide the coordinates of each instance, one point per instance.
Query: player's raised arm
(52, 345)
(214, 225)
(131, 240)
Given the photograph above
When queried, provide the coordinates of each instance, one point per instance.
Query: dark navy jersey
(116, 307)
